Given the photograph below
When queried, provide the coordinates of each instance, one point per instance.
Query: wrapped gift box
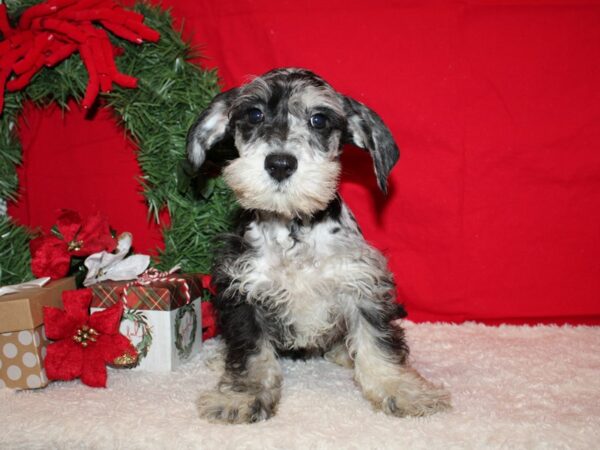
(22, 338)
(165, 328)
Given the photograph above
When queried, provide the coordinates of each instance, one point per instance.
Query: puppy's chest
(293, 256)
(293, 271)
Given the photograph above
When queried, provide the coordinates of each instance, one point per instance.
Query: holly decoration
(170, 94)
(85, 343)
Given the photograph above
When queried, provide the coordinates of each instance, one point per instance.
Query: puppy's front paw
(235, 407)
(406, 393)
(424, 402)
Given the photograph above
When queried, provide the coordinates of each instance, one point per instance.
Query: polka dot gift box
(22, 339)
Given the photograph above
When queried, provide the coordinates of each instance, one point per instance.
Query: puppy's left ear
(366, 130)
(211, 128)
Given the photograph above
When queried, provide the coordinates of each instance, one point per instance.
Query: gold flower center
(75, 246)
(125, 360)
(85, 335)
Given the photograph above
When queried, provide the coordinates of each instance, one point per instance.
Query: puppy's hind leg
(250, 387)
(339, 355)
(381, 368)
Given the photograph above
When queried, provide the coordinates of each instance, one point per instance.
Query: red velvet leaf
(58, 324)
(93, 372)
(107, 321)
(77, 304)
(113, 346)
(36, 243)
(49, 257)
(68, 223)
(64, 360)
(95, 236)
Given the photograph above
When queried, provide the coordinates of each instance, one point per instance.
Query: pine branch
(15, 262)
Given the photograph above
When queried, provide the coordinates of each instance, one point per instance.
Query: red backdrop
(494, 208)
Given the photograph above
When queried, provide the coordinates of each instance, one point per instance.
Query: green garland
(170, 95)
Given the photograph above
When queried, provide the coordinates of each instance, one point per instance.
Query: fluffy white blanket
(512, 387)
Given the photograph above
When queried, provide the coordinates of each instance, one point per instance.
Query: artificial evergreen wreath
(170, 93)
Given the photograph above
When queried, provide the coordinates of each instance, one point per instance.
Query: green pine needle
(15, 262)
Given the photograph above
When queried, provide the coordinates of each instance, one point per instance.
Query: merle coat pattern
(296, 278)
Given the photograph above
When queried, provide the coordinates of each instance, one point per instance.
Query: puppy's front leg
(250, 387)
(381, 368)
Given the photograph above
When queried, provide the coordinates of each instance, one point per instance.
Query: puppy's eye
(318, 121)
(255, 116)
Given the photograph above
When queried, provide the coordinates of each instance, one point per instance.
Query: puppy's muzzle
(280, 165)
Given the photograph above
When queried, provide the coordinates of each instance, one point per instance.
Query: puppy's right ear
(211, 128)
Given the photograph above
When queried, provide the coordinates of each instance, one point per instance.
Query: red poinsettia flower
(84, 343)
(208, 284)
(51, 255)
(210, 327)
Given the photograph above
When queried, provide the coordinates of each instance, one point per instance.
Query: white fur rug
(512, 387)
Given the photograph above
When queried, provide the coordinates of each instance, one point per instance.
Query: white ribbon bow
(38, 282)
(114, 266)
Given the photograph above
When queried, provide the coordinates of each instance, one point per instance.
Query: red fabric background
(494, 207)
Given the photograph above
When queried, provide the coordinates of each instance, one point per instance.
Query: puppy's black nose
(280, 165)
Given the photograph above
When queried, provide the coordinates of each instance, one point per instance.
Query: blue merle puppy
(297, 277)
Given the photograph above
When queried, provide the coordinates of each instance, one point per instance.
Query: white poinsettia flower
(114, 266)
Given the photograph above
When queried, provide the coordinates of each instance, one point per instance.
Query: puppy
(297, 278)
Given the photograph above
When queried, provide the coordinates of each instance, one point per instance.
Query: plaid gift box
(162, 319)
